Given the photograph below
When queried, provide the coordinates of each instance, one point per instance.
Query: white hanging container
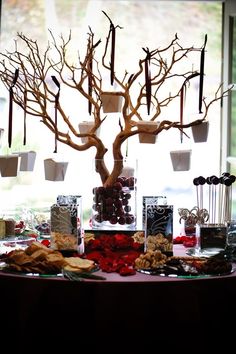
(111, 103)
(181, 160)
(9, 165)
(27, 161)
(200, 132)
(85, 127)
(55, 171)
(150, 126)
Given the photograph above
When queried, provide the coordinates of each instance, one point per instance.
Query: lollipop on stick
(208, 181)
(221, 199)
(202, 181)
(212, 210)
(228, 181)
(196, 183)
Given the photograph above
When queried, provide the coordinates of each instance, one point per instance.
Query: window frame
(229, 10)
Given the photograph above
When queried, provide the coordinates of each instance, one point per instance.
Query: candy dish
(192, 267)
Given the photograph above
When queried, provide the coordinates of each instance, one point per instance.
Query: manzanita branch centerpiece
(36, 80)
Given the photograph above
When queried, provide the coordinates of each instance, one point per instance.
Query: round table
(131, 314)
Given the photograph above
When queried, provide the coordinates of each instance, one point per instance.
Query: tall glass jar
(115, 206)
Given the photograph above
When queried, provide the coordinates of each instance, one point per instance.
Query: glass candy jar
(114, 206)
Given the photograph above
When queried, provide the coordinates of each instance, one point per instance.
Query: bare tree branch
(84, 80)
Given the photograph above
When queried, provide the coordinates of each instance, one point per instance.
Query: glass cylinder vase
(114, 205)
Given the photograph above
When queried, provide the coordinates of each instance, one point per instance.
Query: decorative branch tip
(96, 44)
(205, 42)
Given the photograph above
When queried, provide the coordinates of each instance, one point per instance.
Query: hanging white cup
(200, 132)
(111, 103)
(55, 171)
(181, 160)
(149, 126)
(85, 127)
(27, 160)
(9, 165)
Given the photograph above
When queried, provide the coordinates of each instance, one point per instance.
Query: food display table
(117, 315)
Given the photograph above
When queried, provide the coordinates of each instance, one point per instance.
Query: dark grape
(113, 220)
(120, 212)
(118, 186)
(129, 219)
(118, 203)
(110, 209)
(122, 220)
(125, 201)
(109, 201)
(127, 208)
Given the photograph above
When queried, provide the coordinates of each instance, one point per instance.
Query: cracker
(79, 263)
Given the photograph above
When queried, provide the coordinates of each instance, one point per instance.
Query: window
(229, 108)
(145, 24)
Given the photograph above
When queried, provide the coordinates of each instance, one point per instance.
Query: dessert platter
(39, 260)
(156, 263)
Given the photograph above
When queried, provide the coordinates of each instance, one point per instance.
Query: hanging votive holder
(149, 126)
(85, 127)
(111, 103)
(181, 160)
(27, 161)
(55, 171)
(9, 165)
(200, 132)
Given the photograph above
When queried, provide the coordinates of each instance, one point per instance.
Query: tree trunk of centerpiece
(114, 200)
